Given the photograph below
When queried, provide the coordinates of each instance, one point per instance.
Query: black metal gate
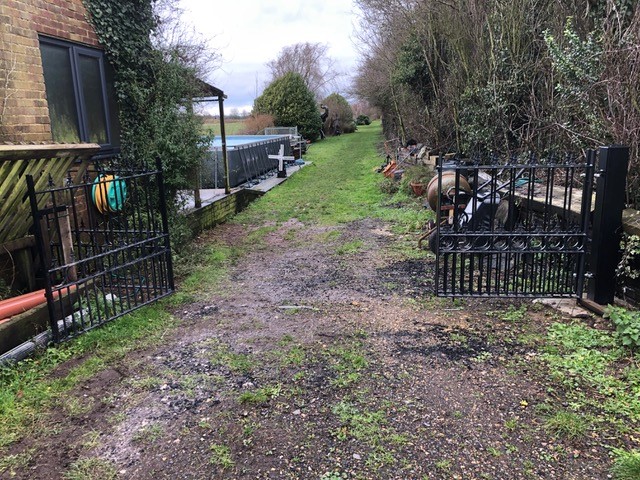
(104, 245)
(513, 229)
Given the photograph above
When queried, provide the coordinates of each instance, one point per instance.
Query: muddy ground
(312, 360)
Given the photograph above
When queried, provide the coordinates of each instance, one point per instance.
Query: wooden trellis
(43, 162)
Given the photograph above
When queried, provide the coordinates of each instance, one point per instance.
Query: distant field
(231, 126)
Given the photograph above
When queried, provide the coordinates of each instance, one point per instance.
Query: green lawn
(231, 126)
(341, 185)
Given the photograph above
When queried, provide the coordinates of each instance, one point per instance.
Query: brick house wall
(24, 114)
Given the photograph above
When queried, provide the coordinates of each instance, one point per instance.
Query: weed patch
(359, 424)
(221, 355)
(221, 456)
(626, 465)
(594, 370)
(148, 434)
(12, 464)
(26, 391)
(347, 361)
(350, 247)
(93, 468)
(568, 425)
(261, 395)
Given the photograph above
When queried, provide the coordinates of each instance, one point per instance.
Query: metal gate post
(35, 213)
(165, 222)
(607, 223)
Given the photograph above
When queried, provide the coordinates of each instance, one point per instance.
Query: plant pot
(418, 188)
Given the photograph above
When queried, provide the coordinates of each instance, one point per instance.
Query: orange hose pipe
(22, 303)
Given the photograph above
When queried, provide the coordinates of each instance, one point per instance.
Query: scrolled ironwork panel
(513, 228)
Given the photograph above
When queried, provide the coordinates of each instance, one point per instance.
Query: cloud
(249, 33)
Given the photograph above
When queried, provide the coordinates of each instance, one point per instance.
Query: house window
(79, 83)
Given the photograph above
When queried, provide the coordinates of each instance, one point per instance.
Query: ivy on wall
(154, 91)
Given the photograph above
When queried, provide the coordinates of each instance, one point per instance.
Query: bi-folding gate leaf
(513, 229)
(103, 242)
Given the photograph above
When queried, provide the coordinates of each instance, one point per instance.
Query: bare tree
(311, 61)
(178, 40)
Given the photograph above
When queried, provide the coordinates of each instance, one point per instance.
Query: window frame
(75, 51)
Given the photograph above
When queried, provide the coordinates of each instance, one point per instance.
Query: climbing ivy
(154, 91)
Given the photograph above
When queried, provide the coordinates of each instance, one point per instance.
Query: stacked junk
(472, 198)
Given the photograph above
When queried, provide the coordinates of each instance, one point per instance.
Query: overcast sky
(249, 33)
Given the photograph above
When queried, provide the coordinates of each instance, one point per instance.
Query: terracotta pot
(418, 188)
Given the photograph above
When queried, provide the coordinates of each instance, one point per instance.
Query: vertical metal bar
(33, 200)
(473, 255)
(438, 229)
(165, 223)
(197, 199)
(457, 228)
(585, 212)
(491, 281)
(215, 168)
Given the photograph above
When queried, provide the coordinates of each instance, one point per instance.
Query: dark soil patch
(413, 278)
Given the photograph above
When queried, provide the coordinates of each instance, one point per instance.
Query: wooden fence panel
(41, 161)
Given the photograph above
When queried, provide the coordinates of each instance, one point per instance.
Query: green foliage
(335, 475)
(389, 186)
(565, 424)
(93, 468)
(418, 173)
(584, 360)
(154, 91)
(627, 325)
(350, 248)
(578, 67)
(236, 362)
(12, 464)
(221, 456)
(413, 68)
(513, 314)
(505, 76)
(291, 104)
(348, 361)
(261, 395)
(626, 465)
(339, 108)
(344, 188)
(363, 120)
(25, 390)
(360, 424)
(489, 114)
(628, 266)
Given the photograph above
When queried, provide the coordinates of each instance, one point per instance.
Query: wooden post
(223, 136)
(196, 188)
(66, 241)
